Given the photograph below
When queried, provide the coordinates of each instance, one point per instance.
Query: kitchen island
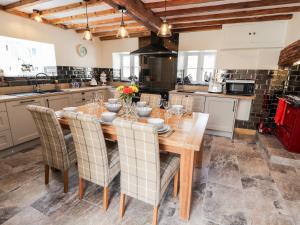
(223, 109)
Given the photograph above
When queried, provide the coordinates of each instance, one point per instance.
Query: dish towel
(280, 112)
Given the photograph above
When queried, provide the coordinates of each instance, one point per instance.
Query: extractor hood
(156, 47)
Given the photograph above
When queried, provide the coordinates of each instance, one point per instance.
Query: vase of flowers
(126, 95)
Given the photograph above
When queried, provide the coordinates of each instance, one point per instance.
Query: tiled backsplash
(65, 74)
(269, 86)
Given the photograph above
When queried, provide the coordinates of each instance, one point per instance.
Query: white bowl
(144, 111)
(157, 122)
(70, 109)
(177, 108)
(113, 100)
(113, 107)
(108, 116)
(141, 104)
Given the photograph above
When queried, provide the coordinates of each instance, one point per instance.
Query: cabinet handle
(28, 101)
(233, 106)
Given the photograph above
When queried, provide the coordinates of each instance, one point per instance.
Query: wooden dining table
(185, 139)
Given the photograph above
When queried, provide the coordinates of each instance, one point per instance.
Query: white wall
(120, 45)
(65, 41)
(293, 30)
(234, 50)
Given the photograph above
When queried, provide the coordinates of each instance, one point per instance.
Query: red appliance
(288, 131)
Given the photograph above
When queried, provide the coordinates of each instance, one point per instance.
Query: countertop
(7, 98)
(202, 93)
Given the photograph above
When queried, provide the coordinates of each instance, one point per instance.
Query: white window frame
(132, 66)
(200, 69)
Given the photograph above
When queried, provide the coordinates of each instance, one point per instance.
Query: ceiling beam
(111, 33)
(83, 16)
(258, 12)
(231, 21)
(161, 4)
(137, 10)
(98, 22)
(109, 28)
(69, 7)
(132, 35)
(230, 6)
(194, 29)
(23, 3)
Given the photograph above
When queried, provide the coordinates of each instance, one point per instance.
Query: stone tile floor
(235, 186)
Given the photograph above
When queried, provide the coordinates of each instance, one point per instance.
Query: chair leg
(122, 205)
(155, 215)
(66, 181)
(46, 174)
(105, 197)
(81, 188)
(175, 189)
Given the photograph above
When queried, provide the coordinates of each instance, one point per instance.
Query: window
(20, 57)
(125, 65)
(194, 66)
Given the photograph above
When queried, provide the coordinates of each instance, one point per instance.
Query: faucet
(37, 86)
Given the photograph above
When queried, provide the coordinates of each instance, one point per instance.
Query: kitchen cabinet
(199, 104)
(243, 109)
(256, 35)
(4, 125)
(59, 102)
(221, 113)
(86, 97)
(21, 122)
(5, 139)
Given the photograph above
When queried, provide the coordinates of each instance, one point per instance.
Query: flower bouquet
(126, 94)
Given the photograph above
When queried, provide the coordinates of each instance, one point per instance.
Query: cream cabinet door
(4, 124)
(221, 113)
(5, 140)
(59, 102)
(199, 104)
(21, 122)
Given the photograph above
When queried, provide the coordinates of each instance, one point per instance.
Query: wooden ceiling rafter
(114, 32)
(98, 22)
(194, 29)
(136, 9)
(23, 3)
(222, 7)
(246, 13)
(233, 21)
(83, 16)
(70, 7)
(110, 27)
(132, 35)
(161, 4)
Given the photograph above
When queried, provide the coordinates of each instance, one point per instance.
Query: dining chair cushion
(169, 165)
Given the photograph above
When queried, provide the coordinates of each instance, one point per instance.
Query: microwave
(240, 87)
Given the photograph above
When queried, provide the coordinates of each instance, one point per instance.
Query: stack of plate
(166, 128)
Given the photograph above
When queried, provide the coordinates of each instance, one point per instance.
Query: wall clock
(81, 50)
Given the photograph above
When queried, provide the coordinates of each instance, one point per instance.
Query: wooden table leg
(198, 157)
(186, 180)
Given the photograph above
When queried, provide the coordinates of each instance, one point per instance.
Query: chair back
(151, 99)
(186, 101)
(54, 151)
(90, 148)
(139, 160)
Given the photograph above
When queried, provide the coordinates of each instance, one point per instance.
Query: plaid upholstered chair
(98, 161)
(151, 99)
(186, 101)
(58, 149)
(145, 175)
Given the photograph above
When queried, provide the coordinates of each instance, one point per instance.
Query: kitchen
(214, 85)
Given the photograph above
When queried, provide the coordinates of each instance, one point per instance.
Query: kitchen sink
(35, 93)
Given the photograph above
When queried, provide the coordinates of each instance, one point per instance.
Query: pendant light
(87, 35)
(37, 16)
(122, 32)
(165, 28)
